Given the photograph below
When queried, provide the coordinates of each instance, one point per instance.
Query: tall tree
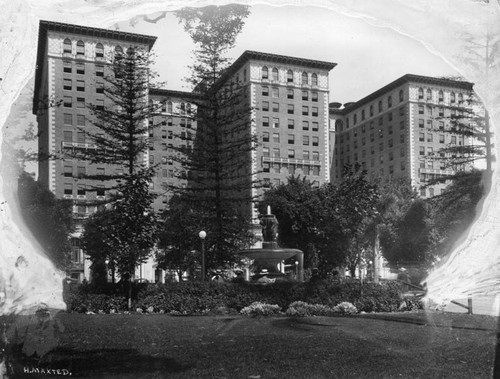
(219, 164)
(119, 135)
(50, 219)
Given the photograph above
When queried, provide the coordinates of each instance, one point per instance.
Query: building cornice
(172, 93)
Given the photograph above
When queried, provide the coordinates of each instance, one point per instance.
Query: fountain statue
(270, 255)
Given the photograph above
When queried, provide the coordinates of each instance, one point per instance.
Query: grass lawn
(423, 345)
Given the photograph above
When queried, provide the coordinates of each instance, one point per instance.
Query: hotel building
(398, 130)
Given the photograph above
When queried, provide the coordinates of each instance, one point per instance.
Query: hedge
(209, 297)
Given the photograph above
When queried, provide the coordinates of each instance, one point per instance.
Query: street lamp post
(202, 236)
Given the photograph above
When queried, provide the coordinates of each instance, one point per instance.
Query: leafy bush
(345, 308)
(303, 309)
(261, 309)
(217, 298)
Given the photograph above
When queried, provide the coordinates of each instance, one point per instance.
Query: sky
(368, 57)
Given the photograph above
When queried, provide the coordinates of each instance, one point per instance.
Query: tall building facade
(288, 99)
(398, 130)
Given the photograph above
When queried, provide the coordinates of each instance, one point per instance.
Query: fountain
(270, 255)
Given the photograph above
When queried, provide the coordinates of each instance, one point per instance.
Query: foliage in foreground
(195, 298)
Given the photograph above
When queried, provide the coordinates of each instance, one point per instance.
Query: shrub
(261, 309)
(345, 308)
(302, 309)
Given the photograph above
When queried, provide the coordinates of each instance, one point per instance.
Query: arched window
(389, 101)
(130, 51)
(429, 94)
(314, 79)
(460, 98)
(289, 76)
(80, 48)
(452, 97)
(380, 108)
(118, 52)
(440, 96)
(169, 107)
(275, 73)
(371, 110)
(99, 50)
(265, 73)
(401, 95)
(183, 108)
(188, 108)
(305, 79)
(67, 46)
(420, 93)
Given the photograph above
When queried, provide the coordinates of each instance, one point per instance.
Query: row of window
(99, 49)
(381, 170)
(80, 102)
(380, 119)
(306, 110)
(371, 109)
(290, 93)
(290, 169)
(276, 153)
(184, 108)
(441, 138)
(275, 137)
(81, 189)
(80, 86)
(440, 96)
(314, 125)
(390, 144)
(289, 76)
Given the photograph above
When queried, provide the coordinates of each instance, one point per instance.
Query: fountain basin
(269, 258)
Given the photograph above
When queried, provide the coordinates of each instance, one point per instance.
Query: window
(80, 48)
(316, 170)
(314, 111)
(289, 76)
(276, 152)
(265, 106)
(440, 96)
(80, 120)
(67, 85)
(265, 121)
(380, 107)
(265, 137)
(289, 93)
(68, 119)
(389, 116)
(99, 70)
(265, 91)
(276, 137)
(265, 73)
(401, 138)
(305, 140)
(389, 101)
(429, 137)
(80, 137)
(99, 50)
(314, 79)
(381, 146)
(315, 141)
(291, 153)
(275, 92)
(354, 119)
(275, 74)
(305, 95)
(305, 125)
(401, 95)
(305, 155)
(67, 67)
(80, 86)
(430, 151)
(276, 107)
(68, 171)
(99, 87)
(362, 115)
(265, 152)
(291, 124)
(67, 46)
(169, 121)
(314, 97)
(460, 98)
(305, 79)
(315, 156)
(265, 166)
(421, 137)
(183, 122)
(380, 120)
(441, 138)
(453, 140)
(68, 189)
(401, 125)
(68, 102)
(80, 172)
(420, 109)
(421, 150)
(315, 126)
(429, 94)
(402, 152)
(421, 123)
(291, 139)
(452, 97)
(276, 122)
(381, 159)
(420, 93)
(390, 142)
(80, 68)
(99, 104)
(429, 110)
(305, 111)
(372, 137)
(68, 136)
(441, 112)
(390, 129)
